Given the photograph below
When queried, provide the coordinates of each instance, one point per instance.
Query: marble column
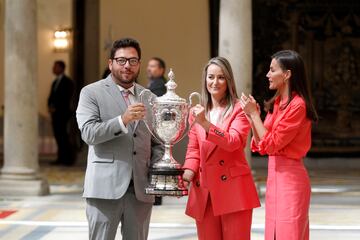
(20, 173)
(235, 43)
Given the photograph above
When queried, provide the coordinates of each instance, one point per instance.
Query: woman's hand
(252, 111)
(249, 105)
(198, 112)
(188, 175)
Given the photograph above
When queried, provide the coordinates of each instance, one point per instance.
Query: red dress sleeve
(253, 144)
(288, 125)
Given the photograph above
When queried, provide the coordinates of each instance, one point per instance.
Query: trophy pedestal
(166, 182)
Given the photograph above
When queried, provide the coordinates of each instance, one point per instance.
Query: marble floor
(334, 211)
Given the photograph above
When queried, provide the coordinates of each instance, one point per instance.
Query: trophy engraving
(168, 125)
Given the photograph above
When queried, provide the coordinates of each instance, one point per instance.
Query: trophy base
(166, 182)
(171, 193)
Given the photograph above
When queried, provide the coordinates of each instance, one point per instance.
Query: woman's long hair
(230, 95)
(291, 60)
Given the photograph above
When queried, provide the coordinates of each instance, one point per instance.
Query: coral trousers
(231, 226)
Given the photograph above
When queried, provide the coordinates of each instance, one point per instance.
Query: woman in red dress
(285, 136)
(222, 194)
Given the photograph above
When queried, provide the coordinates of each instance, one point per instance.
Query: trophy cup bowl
(168, 125)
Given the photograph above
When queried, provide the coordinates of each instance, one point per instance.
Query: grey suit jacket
(113, 156)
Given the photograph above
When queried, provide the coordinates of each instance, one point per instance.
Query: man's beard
(120, 80)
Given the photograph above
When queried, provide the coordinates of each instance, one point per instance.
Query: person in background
(60, 108)
(222, 191)
(155, 73)
(285, 136)
(121, 148)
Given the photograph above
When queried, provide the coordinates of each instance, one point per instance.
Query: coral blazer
(220, 167)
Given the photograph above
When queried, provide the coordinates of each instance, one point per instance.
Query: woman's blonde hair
(230, 94)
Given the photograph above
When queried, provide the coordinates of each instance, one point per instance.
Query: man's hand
(134, 112)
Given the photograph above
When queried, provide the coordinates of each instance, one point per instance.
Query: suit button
(134, 152)
(223, 177)
(200, 170)
(197, 183)
(221, 162)
(134, 135)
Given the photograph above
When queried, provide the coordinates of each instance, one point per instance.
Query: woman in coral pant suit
(285, 136)
(222, 193)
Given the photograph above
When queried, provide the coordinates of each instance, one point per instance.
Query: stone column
(294, 23)
(20, 173)
(235, 43)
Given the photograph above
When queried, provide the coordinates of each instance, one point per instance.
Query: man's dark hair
(124, 43)
(61, 63)
(160, 62)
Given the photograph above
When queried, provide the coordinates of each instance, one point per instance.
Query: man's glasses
(122, 61)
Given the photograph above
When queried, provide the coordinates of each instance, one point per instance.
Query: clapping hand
(249, 105)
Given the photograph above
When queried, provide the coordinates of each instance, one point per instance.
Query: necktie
(125, 94)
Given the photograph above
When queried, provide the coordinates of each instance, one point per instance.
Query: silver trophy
(168, 121)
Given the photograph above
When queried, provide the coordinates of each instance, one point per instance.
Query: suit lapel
(61, 84)
(209, 146)
(114, 91)
(137, 91)
(206, 147)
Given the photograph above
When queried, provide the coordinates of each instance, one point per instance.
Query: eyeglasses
(122, 61)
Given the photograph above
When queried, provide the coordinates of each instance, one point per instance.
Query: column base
(35, 187)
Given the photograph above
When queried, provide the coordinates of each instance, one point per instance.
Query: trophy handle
(191, 96)
(190, 105)
(149, 100)
(141, 96)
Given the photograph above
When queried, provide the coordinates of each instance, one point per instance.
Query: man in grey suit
(120, 149)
